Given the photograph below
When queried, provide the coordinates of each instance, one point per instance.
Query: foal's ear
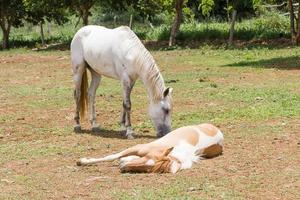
(168, 91)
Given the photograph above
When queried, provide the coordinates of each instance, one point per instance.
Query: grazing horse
(171, 153)
(119, 54)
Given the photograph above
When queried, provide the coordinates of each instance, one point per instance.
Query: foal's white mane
(148, 69)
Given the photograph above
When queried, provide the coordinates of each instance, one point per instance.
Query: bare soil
(39, 148)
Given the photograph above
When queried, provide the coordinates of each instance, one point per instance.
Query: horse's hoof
(96, 129)
(130, 137)
(129, 133)
(78, 163)
(123, 127)
(159, 135)
(77, 129)
(82, 162)
(123, 168)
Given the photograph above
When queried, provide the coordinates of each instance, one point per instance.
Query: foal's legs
(137, 165)
(139, 150)
(125, 116)
(91, 96)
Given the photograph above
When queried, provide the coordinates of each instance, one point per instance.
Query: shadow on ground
(114, 134)
(283, 63)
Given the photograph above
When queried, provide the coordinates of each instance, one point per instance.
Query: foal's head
(166, 164)
(160, 113)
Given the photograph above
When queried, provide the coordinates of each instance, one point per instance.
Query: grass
(252, 94)
(183, 188)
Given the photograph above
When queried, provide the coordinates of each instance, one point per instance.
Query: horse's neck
(153, 81)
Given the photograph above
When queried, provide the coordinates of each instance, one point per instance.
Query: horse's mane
(147, 64)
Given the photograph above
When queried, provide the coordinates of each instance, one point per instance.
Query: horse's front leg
(125, 116)
(91, 95)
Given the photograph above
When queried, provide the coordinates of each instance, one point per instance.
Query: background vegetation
(35, 23)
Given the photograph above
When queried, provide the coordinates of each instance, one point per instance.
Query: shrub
(270, 25)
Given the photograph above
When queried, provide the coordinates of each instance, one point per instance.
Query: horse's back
(104, 49)
(97, 35)
(91, 35)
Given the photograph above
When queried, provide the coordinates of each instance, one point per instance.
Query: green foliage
(59, 34)
(206, 6)
(81, 8)
(11, 12)
(220, 9)
(41, 10)
(147, 9)
(269, 26)
(274, 23)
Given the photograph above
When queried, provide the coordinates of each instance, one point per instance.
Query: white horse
(119, 54)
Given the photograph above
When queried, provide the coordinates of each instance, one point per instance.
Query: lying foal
(171, 153)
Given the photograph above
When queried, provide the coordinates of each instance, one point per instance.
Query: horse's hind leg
(91, 95)
(125, 116)
(78, 72)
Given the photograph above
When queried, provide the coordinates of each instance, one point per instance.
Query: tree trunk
(130, 22)
(48, 28)
(5, 41)
(42, 34)
(85, 16)
(115, 21)
(5, 32)
(297, 39)
(292, 21)
(228, 14)
(177, 21)
(231, 31)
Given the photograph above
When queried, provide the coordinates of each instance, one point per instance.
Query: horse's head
(160, 113)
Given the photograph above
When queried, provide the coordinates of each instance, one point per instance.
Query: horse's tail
(84, 94)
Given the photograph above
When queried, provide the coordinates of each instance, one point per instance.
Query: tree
(234, 6)
(220, 9)
(295, 28)
(177, 21)
(11, 14)
(205, 5)
(82, 9)
(146, 9)
(38, 11)
(231, 30)
(150, 8)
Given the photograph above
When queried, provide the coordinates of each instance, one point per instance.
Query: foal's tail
(84, 94)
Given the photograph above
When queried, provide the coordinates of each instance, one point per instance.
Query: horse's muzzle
(162, 130)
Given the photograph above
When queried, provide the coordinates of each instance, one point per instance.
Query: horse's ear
(167, 151)
(168, 91)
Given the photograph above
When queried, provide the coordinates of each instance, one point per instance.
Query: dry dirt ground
(261, 160)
